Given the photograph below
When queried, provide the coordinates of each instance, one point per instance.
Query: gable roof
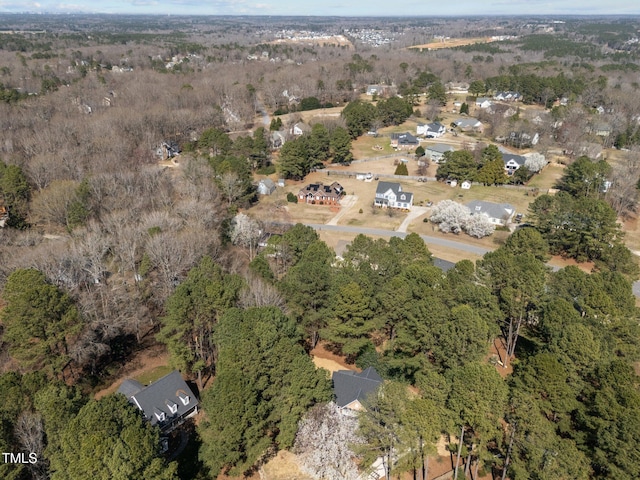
(349, 386)
(383, 187)
(163, 401)
(467, 122)
(519, 159)
(405, 138)
(130, 387)
(500, 211)
(267, 182)
(440, 148)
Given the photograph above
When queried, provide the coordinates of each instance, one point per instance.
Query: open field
(451, 42)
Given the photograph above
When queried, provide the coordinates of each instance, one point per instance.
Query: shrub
(291, 198)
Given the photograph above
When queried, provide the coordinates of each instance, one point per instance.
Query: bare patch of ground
(452, 42)
(283, 466)
(561, 262)
(323, 358)
(142, 363)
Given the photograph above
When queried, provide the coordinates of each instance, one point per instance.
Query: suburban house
(512, 162)
(168, 149)
(389, 194)
(483, 102)
(351, 388)
(469, 124)
(521, 139)
(507, 96)
(502, 110)
(299, 128)
(379, 90)
(277, 139)
(318, 193)
(436, 152)
(497, 213)
(431, 130)
(167, 402)
(266, 186)
(602, 129)
(404, 141)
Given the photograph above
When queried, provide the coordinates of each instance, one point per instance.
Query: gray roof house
(512, 162)
(497, 213)
(436, 152)
(351, 388)
(404, 140)
(167, 402)
(467, 124)
(389, 194)
(431, 130)
(266, 186)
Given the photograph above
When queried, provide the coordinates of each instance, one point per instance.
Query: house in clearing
(512, 162)
(483, 102)
(497, 213)
(469, 124)
(431, 130)
(299, 129)
(318, 193)
(436, 152)
(351, 388)
(266, 186)
(390, 195)
(404, 141)
(167, 403)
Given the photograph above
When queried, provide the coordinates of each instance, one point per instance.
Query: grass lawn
(151, 376)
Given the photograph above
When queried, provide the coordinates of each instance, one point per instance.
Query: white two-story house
(391, 195)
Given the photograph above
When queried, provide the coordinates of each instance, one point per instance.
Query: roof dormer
(172, 406)
(184, 398)
(160, 415)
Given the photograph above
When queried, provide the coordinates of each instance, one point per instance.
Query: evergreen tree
(340, 144)
(401, 169)
(40, 321)
(192, 313)
(110, 440)
(265, 382)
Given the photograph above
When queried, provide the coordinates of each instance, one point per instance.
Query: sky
(328, 7)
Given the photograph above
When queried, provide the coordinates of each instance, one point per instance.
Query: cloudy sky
(329, 7)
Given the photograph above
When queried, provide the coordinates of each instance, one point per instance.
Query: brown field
(452, 42)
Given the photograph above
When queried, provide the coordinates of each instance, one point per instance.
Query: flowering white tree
(323, 443)
(246, 232)
(479, 226)
(450, 216)
(535, 162)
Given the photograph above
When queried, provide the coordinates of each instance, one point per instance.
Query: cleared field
(451, 42)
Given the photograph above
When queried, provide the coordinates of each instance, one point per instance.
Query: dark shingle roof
(349, 386)
(169, 393)
(130, 387)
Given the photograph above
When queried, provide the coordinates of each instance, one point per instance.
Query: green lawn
(152, 375)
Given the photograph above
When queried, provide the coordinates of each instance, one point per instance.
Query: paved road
(390, 233)
(442, 242)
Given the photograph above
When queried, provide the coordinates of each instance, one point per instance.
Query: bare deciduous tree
(324, 441)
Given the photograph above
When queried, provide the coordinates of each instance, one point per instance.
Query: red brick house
(318, 193)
